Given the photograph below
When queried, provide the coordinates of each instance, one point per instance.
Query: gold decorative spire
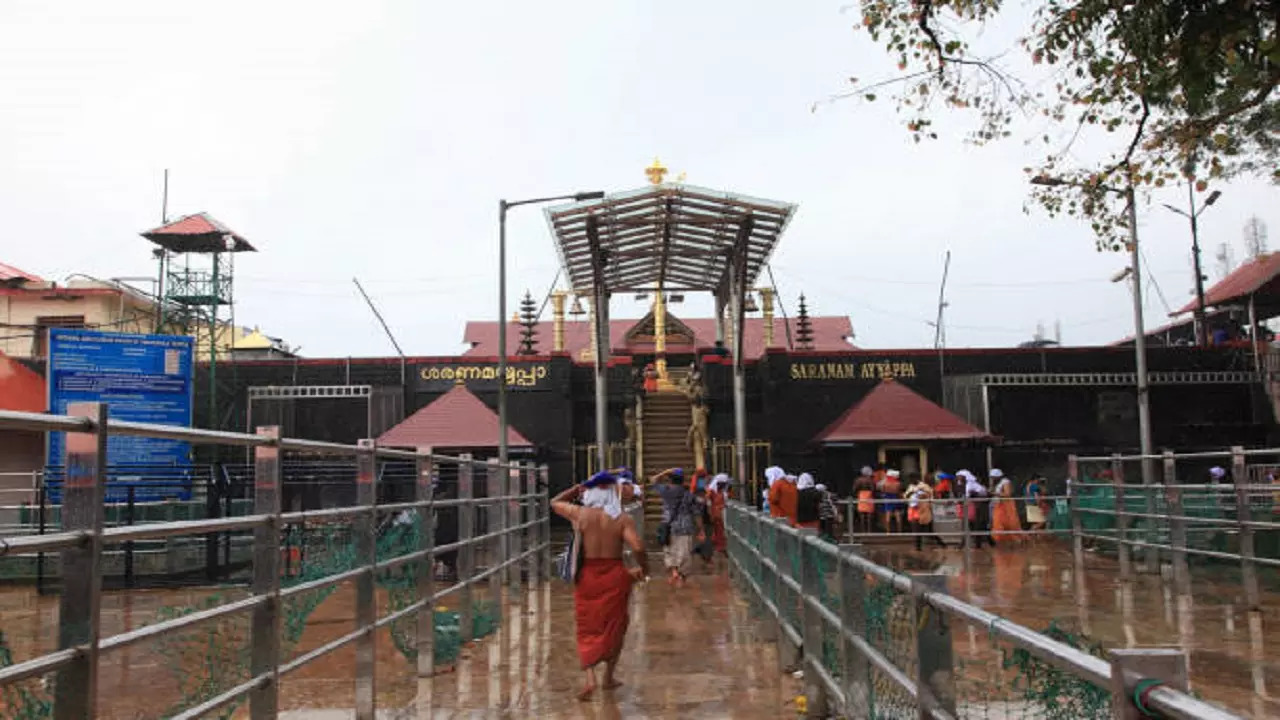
(656, 172)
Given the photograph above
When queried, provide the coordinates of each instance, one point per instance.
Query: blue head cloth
(626, 474)
(678, 472)
(600, 479)
(946, 476)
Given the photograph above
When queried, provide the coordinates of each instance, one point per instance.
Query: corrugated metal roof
(196, 233)
(1242, 282)
(457, 419)
(893, 411)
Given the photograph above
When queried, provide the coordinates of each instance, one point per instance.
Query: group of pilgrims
(884, 501)
(693, 525)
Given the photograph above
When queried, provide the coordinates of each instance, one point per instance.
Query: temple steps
(665, 441)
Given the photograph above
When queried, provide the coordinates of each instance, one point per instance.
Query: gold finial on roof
(656, 172)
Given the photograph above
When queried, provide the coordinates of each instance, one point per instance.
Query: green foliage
(1180, 83)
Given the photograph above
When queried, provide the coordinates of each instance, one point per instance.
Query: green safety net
(215, 656)
(1210, 525)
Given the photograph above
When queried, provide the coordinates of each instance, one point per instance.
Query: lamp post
(1193, 216)
(503, 207)
(1139, 331)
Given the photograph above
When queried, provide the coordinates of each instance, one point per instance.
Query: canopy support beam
(600, 299)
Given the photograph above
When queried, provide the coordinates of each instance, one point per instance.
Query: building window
(44, 322)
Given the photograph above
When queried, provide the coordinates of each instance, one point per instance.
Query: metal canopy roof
(681, 235)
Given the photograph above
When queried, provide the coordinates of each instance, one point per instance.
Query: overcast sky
(374, 139)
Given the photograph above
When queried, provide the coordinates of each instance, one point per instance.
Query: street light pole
(1139, 329)
(1140, 342)
(1201, 331)
(1201, 322)
(502, 331)
(503, 207)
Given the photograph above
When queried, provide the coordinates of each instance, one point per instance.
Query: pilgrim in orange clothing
(717, 495)
(782, 498)
(1006, 526)
(774, 476)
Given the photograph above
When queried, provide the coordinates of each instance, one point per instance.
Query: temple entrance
(906, 458)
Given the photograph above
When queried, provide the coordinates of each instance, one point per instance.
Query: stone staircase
(666, 433)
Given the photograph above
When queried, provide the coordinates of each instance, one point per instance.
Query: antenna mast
(939, 334)
(378, 315)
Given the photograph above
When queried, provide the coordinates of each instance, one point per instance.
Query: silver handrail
(518, 540)
(763, 547)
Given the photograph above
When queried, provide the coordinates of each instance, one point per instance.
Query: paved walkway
(690, 653)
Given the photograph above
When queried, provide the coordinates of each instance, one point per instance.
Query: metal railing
(813, 596)
(517, 541)
(1172, 520)
(951, 519)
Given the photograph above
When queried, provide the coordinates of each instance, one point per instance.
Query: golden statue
(698, 434)
(656, 172)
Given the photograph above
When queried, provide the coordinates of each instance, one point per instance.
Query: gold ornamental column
(557, 320)
(660, 334)
(766, 308)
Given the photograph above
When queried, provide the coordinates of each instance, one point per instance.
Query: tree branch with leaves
(1182, 85)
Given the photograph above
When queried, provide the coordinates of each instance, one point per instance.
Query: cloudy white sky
(374, 139)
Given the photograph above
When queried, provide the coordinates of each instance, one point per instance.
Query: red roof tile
(9, 272)
(893, 411)
(196, 233)
(828, 336)
(457, 419)
(21, 388)
(1249, 278)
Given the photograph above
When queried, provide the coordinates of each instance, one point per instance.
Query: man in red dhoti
(602, 587)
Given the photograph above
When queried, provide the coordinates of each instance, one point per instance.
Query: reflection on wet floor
(695, 652)
(1039, 584)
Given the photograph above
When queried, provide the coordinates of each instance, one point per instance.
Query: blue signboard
(142, 378)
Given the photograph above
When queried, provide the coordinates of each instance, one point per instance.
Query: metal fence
(876, 643)
(1151, 510)
(516, 544)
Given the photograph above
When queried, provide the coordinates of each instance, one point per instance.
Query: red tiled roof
(457, 419)
(196, 233)
(21, 388)
(1252, 277)
(828, 336)
(9, 272)
(893, 411)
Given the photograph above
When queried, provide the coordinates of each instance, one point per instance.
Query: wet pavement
(1234, 655)
(692, 652)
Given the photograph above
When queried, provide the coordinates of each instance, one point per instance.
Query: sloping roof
(9, 272)
(457, 419)
(893, 411)
(1258, 276)
(196, 233)
(669, 235)
(829, 335)
(21, 388)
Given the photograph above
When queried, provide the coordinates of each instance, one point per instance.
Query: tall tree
(804, 327)
(1180, 83)
(528, 325)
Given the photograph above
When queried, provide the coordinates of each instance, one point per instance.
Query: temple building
(684, 390)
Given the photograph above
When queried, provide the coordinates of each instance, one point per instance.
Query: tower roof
(198, 233)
